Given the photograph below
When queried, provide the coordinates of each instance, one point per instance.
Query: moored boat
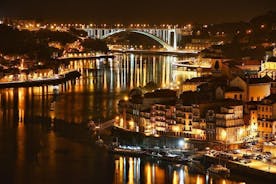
(219, 169)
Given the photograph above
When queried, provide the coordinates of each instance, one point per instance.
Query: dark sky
(142, 11)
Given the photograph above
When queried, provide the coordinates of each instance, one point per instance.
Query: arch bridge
(168, 38)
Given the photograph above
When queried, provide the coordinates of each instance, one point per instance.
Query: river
(43, 137)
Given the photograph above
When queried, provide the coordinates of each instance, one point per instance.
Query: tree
(216, 65)
(95, 45)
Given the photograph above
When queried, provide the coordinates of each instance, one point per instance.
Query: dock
(72, 75)
(254, 169)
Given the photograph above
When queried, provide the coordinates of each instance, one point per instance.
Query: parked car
(247, 156)
(245, 161)
(259, 157)
(236, 151)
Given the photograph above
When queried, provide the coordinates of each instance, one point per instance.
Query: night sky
(142, 11)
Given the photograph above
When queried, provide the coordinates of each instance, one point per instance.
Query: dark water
(44, 143)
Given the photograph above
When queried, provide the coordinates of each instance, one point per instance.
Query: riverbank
(136, 138)
(78, 57)
(238, 168)
(166, 144)
(159, 52)
(72, 75)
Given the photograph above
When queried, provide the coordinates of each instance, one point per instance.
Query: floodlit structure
(167, 37)
(230, 125)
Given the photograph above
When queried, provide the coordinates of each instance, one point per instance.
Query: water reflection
(133, 170)
(127, 71)
(95, 95)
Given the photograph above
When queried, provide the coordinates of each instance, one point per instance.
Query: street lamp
(181, 143)
(126, 98)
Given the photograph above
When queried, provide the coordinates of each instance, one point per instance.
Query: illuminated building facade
(267, 117)
(230, 124)
(268, 67)
(255, 89)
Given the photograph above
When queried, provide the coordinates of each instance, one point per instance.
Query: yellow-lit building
(234, 93)
(266, 128)
(230, 124)
(255, 89)
(253, 122)
(145, 124)
(267, 117)
(191, 86)
(199, 129)
(173, 119)
(158, 118)
(268, 67)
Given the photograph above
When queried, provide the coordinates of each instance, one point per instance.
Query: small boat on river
(219, 170)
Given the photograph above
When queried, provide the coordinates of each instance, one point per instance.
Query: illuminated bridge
(167, 37)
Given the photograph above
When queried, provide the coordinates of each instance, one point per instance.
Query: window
(235, 96)
(240, 96)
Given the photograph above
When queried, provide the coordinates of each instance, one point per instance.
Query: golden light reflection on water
(148, 173)
(199, 180)
(132, 170)
(128, 71)
(52, 147)
(20, 144)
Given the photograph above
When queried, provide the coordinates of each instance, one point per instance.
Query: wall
(238, 82)
(258, 91)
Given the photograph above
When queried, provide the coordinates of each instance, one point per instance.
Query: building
(254, 89)
(210, 125)
(174, 119)
(130, 107)
(191, 85)
(145, 124)
(253, 122)
(250, 67)
(268, 67)
(266, 110)
(230, 125)
(235, 93)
